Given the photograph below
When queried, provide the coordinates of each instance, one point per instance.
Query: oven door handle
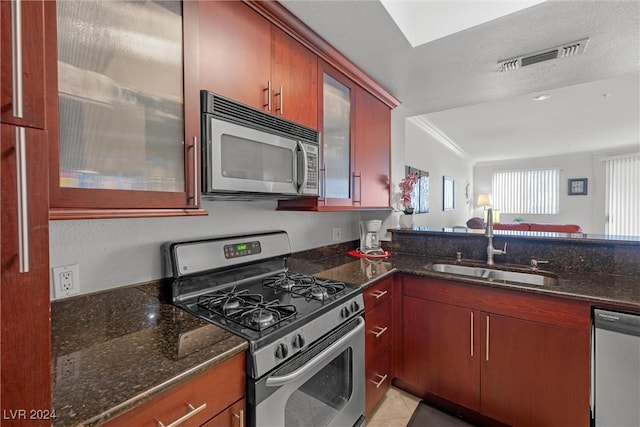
(328, 353)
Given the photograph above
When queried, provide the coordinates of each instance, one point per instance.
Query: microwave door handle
(326, 354)
(305, 167)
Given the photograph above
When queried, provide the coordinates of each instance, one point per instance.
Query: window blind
(527, 191)
(622, 195)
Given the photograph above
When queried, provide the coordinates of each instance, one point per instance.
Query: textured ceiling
(460, 69)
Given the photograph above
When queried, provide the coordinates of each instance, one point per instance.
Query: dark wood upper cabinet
(235, 52)
(245, 57)
(23, 98)
(128, 112)
(355, 147)
(372, 150)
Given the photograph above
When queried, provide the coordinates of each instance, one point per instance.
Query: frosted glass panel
(121, 95)
(336, 137)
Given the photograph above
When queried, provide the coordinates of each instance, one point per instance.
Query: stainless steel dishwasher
(616, 369)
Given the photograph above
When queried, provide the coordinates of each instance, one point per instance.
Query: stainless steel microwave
(249, 154)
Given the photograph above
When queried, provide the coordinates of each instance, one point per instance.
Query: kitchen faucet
(491, 251)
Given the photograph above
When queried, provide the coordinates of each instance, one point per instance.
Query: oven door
(322, 386)
(243, 159)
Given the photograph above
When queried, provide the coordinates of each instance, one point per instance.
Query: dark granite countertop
(114, 350)
(598, 288)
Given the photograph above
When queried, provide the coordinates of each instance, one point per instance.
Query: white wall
(117, 252)
(422, 151)
(586, 211)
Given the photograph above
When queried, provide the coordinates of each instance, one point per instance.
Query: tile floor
(394, 410)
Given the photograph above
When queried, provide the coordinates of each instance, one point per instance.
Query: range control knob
(344, 312)
(282, 351)
(355, 307)
(298, 341)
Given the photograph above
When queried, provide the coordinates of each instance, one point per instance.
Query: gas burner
(261, 318)
(318, 292)
(287, 280)
(320, 289)
(228, 302)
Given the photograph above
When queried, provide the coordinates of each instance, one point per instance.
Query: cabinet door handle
(21, 192)
(378, 330)
(379, 294)
(280, 95)
(190, 413)
(240, 417)
(487, 342)
(472, 334)
(16, 57)
(196, 191)
(359, 176)
(382, 380)
(268, 90)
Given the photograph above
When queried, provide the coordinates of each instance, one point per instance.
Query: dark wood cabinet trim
(62, 214)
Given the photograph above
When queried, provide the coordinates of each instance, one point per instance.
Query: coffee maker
(369, 238)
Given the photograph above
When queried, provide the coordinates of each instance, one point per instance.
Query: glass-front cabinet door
(123, 139)
(337, 99)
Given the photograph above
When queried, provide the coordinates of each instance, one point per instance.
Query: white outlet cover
(58, 291)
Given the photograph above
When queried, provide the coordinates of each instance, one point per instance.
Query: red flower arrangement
(406, 188)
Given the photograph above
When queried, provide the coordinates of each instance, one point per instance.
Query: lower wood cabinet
(214, 398)
(521, 359)
(378, 339)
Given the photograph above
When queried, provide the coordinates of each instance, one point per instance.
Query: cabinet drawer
(378, 330)
(208, 393)
(234, 416)
(378, 380)
(377, 293)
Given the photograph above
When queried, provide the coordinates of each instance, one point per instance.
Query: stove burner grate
(301, 285)
(246, 309)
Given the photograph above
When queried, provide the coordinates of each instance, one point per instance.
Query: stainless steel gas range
(305, 364)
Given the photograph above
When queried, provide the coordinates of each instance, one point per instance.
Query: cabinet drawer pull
(190, 413)
(382, 380)
(240, 417)
(379, 294)
(21, 192)
(378, 330)
(16, 57)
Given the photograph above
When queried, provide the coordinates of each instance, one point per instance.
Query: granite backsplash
(563, 254)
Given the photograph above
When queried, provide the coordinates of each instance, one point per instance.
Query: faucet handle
(536, 262)
(458, 256)
(504, 249)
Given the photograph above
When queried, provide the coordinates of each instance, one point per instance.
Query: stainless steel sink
(497, 275)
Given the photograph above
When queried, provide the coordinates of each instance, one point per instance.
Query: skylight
(422, 21)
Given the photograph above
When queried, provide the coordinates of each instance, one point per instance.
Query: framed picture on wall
(578, 187)
(448, 192)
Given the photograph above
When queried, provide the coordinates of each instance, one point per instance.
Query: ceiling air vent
(562, 51)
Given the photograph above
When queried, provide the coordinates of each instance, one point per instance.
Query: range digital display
(242, 249)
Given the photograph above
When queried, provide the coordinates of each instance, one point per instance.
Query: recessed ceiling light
(542, 97)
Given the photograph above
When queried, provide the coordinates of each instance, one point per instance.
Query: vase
(406, 221)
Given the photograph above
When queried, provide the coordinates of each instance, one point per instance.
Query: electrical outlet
(68, 367)
(66, 280)
(337, 234)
